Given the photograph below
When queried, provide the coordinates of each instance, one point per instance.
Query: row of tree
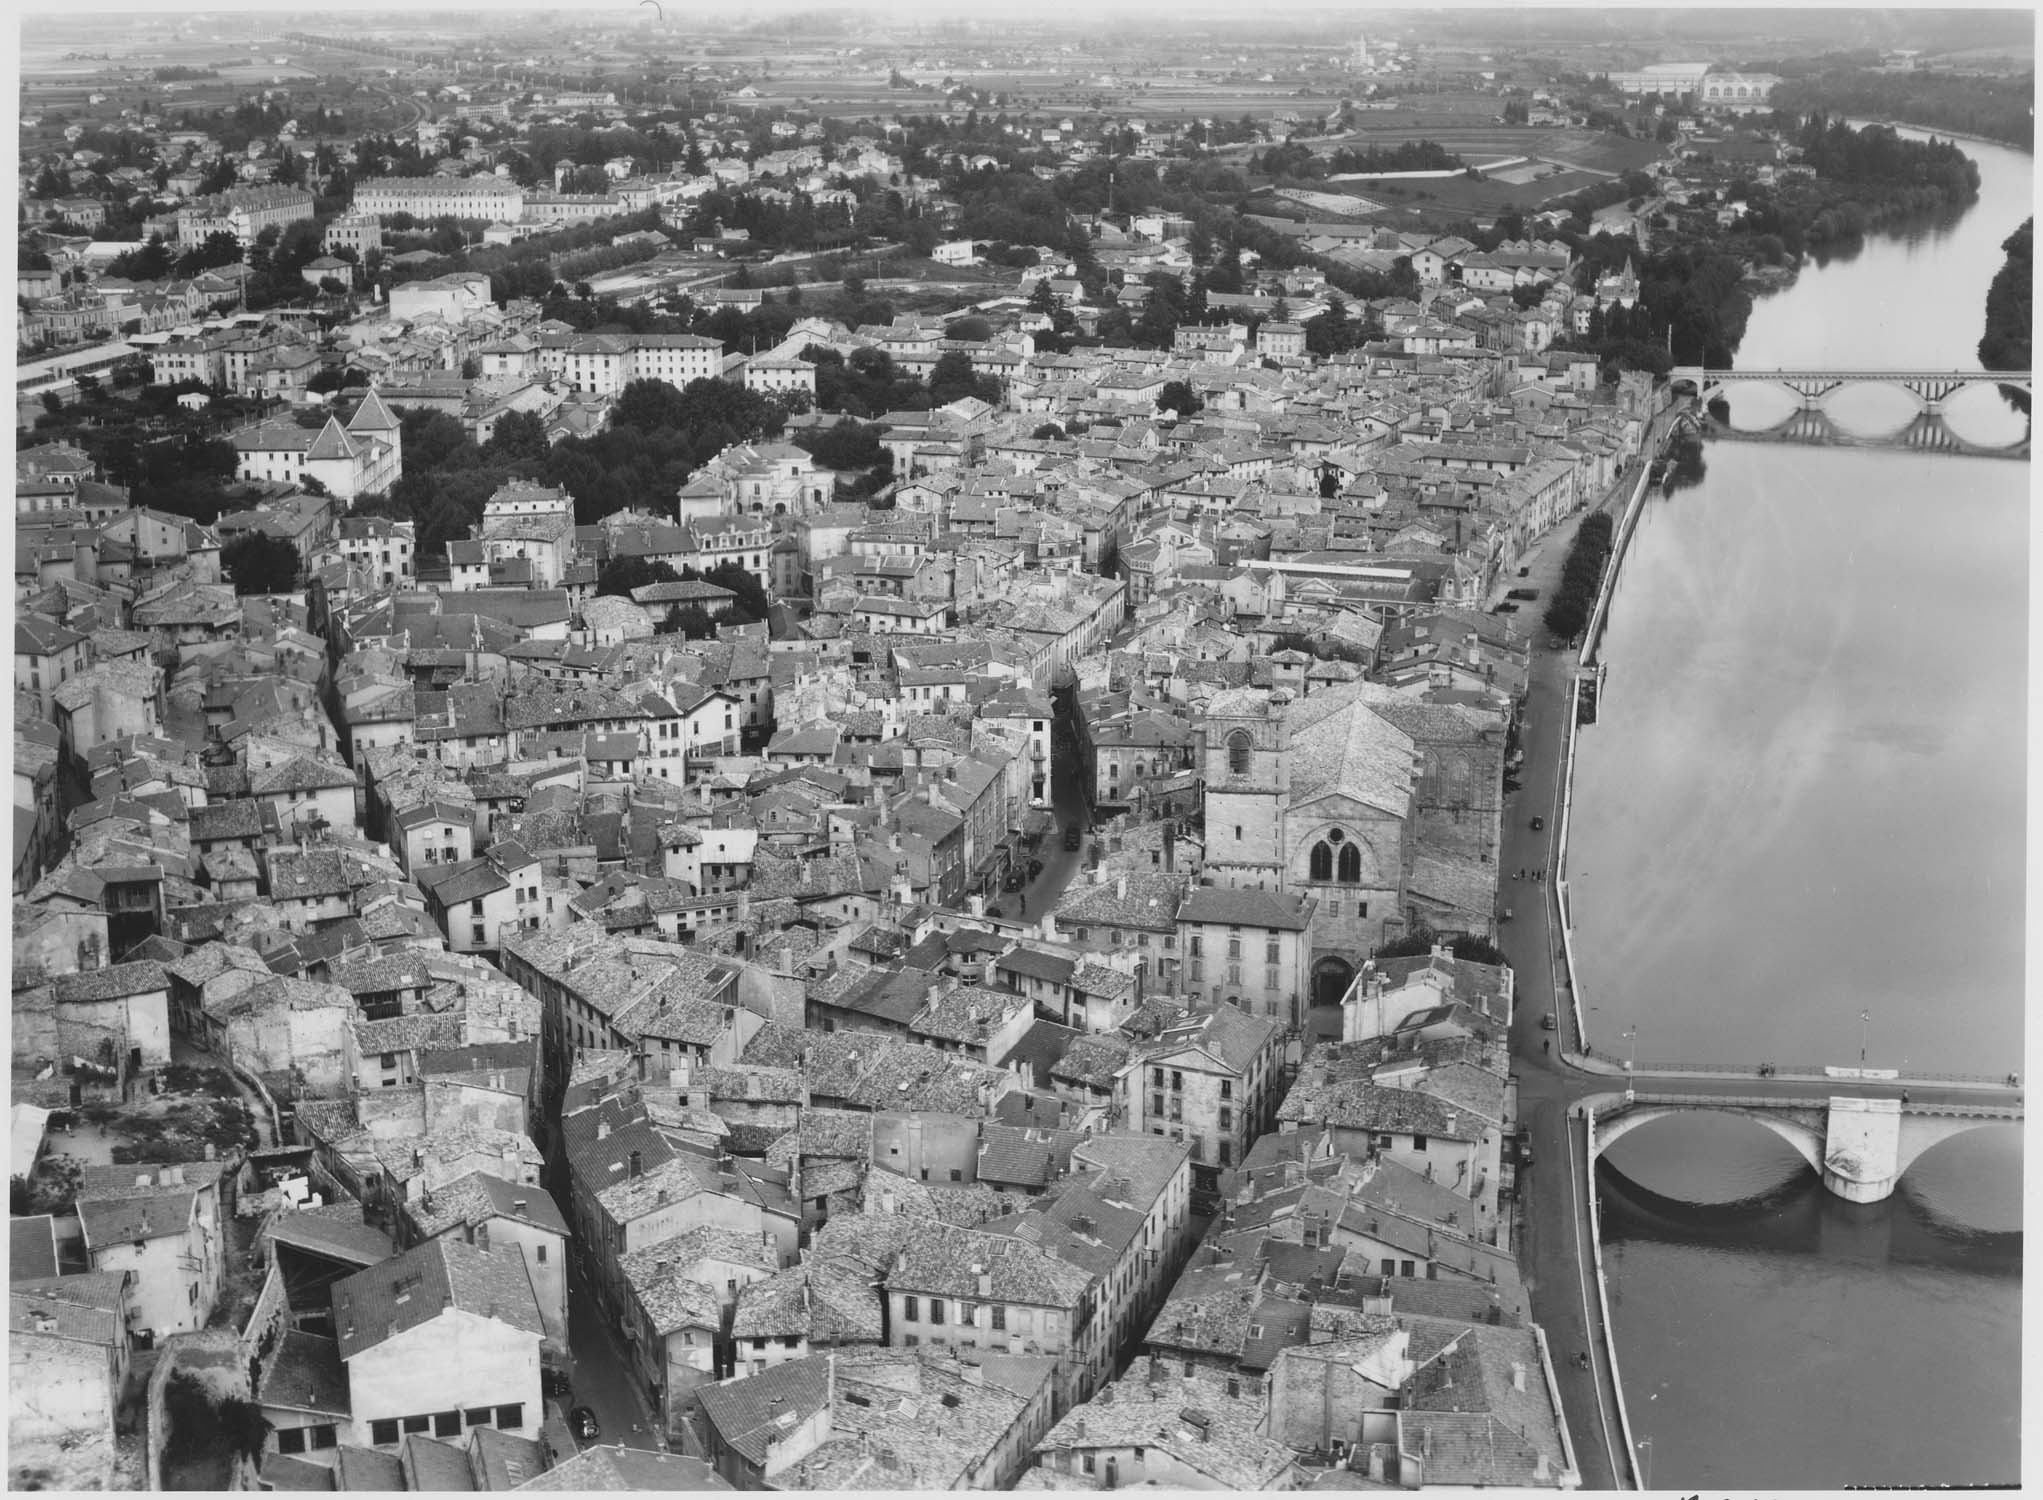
(1567, 613)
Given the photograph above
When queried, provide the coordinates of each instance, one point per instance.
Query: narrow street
(600, 1371)
(1068, 805)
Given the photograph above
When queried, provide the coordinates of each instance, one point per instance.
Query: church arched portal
(1331, 976)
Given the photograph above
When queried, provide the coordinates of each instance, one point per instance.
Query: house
(161, 1224)
(120, 1011)
(503, 1218)
(1162, 1429)
(437, 1341)
(1248, 948)
(45, 655)
(909, 1421)
(681, 1293)
(1210, 1081)
(68, 1350)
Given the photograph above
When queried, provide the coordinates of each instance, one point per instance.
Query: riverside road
(1560, 1069)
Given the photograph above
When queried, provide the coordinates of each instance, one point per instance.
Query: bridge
(1931, 388)
(1810, 422)
(1859, 1143)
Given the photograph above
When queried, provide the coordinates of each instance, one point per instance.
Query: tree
(691, 621)
(519, 436)
(260, 564)
(623, 574)
(1180, 398)
(753, 603)
(952, 379)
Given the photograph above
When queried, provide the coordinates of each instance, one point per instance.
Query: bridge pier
(1862, 1148)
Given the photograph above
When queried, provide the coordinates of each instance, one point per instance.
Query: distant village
(1020, 1010)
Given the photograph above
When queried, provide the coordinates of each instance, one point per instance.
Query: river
(1804, 800)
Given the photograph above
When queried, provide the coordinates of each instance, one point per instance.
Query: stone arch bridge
(1859, 1146)
(1931, 388)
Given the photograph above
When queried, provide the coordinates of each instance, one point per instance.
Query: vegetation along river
(1804, 799)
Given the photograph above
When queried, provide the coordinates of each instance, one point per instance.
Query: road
(1555, 1234)
(600, 1371)
(1068, 804)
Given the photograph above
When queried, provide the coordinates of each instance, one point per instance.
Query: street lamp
(1646, 1469)
(1865, 1016)
(1631, 1035)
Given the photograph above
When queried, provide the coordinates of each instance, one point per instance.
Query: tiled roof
(1148, 902)
(750, 1413)
(1195, 1421)
(306, 1373)
(115, 982)
(430, 1464)
(1282, 911)
(939, 1261)
(414, 1288)
(616, 1467)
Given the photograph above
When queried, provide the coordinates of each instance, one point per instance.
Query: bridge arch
(1920, 1132)
(1806, 1135)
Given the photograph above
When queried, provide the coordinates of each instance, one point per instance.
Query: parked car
(1524, 1147)
(554, 1381)
(1073, 836)
(1015, 881)
(1538, 823)
(1548, 1023)
(584, 1424)
(1035, 868)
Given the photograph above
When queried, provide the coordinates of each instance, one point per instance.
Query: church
(1341, 796)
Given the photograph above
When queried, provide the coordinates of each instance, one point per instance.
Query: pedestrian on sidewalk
(1547, 1046)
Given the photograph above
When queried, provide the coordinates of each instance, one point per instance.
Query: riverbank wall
(1592, 641)
(1624, 1420)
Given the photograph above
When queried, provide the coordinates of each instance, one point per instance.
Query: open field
(1458, 197)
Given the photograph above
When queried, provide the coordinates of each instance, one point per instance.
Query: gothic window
(1322, 861)
(1240, 744)
(1351, 865)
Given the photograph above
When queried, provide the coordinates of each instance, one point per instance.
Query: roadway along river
(1804, 799)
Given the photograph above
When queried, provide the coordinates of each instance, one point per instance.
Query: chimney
(1426, 1441)
(829, 1382)
(1517, 1375)
(1540, 1471)
(636, 1166)
(602, 1130)
(1120, 887)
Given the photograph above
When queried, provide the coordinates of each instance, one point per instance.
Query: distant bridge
(1926, 432)
(1931, 388)
(1859, 1145)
